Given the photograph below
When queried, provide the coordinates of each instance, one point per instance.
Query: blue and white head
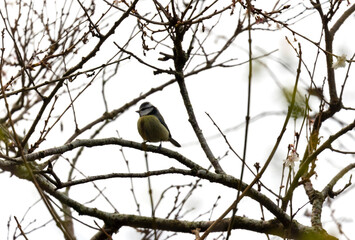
(146, 108)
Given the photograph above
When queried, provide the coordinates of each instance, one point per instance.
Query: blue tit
(151, 125)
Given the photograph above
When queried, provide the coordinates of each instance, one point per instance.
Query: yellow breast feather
(151, 129)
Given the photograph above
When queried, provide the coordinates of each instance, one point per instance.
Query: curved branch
(328, 190)
(111, 141)
(195, 169)
(137, 221)
(305, 162)
(171, 170)
(117, 220)
(341, 20)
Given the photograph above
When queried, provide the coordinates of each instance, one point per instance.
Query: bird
(151, 125)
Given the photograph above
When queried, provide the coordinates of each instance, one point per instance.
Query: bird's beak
(137, 111)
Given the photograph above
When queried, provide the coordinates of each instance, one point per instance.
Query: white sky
(219, 92)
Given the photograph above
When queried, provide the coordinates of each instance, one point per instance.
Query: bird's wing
(161, 119)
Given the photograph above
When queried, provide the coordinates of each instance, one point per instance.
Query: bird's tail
(174, 142)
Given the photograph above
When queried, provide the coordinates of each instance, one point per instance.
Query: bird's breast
(151, 129)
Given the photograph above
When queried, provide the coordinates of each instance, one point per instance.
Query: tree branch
(341, 20)
(117, 220)
(305, 162)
